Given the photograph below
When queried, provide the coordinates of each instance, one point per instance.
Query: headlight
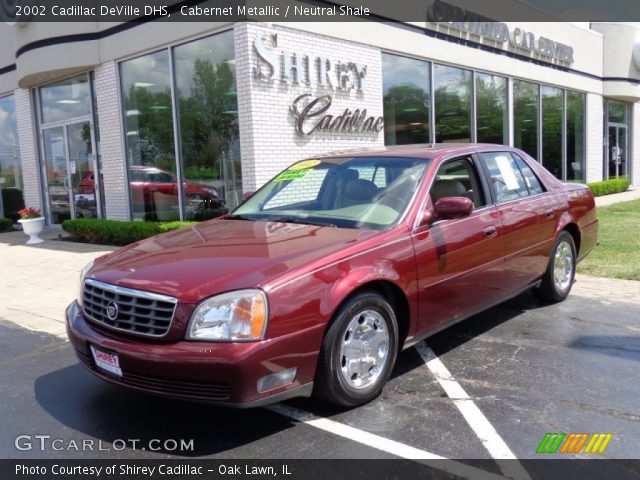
(234, 316)
(83, 274)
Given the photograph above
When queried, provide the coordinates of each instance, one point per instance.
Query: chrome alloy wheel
(563, 266)
(365, 349)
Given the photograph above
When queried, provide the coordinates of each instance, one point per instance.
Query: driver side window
(458, 178)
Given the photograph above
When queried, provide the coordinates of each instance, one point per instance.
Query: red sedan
(316, 282)
(146, 180)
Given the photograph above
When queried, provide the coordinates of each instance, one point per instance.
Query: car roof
(423, 150)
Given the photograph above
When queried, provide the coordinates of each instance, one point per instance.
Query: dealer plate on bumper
(106, 361)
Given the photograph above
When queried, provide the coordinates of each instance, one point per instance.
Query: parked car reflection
(154, 195)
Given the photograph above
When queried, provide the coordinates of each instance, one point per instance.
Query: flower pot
(33, 227)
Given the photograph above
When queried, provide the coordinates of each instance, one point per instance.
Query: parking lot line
(384, 444)
(488, 435)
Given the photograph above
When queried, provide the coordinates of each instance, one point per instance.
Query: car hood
(220, 255)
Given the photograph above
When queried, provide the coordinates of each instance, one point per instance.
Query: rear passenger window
(534, 185)
(505, 179)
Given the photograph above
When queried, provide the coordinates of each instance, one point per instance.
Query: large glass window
(575, 135)
(452, 104)
(617, 111)
(406, 100)
(10, 170)
(207, 101)
(525, 116)
(492, 119)
(146, 93)
(552, 130)
(617, 157)
(65, 99)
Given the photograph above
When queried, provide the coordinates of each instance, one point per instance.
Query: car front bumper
(214, 372)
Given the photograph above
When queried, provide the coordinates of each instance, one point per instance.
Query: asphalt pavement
(530, 369)
(489, 387)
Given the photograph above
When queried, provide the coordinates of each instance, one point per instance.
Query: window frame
(540, 182)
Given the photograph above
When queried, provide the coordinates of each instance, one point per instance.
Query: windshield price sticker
(304, 165)
(510, 180)
(291, 175)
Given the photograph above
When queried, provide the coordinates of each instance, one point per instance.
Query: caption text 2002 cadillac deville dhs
(316, 282)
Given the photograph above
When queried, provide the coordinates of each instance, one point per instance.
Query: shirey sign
(313, 113)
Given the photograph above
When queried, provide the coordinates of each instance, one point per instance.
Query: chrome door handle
(548, 213)
(490, 231)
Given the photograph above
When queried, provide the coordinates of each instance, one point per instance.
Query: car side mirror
(247, 195)
(453, 207)
(426, 218)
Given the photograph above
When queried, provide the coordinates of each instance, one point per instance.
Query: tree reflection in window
(491, 109)
(406, 100)
(206, 89)
(452, 104)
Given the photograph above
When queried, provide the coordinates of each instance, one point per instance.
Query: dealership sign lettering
(300, 69)
(472, 23)
(306, 110)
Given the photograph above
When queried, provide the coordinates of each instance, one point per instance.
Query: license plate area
(106, 361)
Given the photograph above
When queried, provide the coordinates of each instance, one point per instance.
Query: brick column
(595, 133)
(27, 137)
(268, 140)
(634, 132)
(111, 142)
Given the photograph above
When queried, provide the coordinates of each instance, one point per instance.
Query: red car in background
(145, 180)
(318, 280)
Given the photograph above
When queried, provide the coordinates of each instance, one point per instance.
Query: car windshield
(356, 192)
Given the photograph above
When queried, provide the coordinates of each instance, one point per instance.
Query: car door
(458, 260)
(527, 214)
(162, 182)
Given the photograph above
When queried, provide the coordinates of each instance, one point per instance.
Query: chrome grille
(126, 309)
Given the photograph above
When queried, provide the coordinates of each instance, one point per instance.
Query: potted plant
(32, 224)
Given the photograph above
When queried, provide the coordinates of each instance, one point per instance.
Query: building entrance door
(69, 162)
(617, 156)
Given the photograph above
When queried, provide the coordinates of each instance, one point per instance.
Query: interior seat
(359, 191)
(447, 188)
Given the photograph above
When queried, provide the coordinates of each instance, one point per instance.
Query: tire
(364, 328)
(555, 288)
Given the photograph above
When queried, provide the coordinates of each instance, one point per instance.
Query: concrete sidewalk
(628, 196)
(38, 282)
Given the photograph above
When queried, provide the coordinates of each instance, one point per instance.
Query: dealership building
(155, 121)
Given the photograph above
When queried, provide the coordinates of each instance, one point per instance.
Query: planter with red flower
(32, 224)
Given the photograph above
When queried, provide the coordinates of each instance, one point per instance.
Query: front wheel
(358, 351)
(558, 279)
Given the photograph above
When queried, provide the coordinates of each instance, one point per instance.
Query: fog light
(277, 379)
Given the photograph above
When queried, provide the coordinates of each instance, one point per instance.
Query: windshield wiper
(239, 217)
(302, 221)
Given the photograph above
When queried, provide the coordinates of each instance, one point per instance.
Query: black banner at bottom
(364, 469)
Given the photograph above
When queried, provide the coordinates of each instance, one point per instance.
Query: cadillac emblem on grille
(112, 310)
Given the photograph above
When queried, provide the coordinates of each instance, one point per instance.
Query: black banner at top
(468, 11)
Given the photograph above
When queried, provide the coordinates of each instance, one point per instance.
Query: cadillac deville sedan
(316, 282)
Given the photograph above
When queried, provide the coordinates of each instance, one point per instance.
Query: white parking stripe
(488, 435)
(384, 444)
(400, 449)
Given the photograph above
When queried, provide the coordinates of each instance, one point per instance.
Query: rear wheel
(358, 351)
(558, 279)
